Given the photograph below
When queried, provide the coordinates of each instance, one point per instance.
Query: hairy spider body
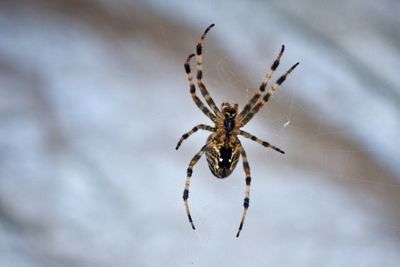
(223, 147)
(224, 150)
(222, 158)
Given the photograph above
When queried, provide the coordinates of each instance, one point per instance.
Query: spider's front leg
(263, 85)
(195, 129)
(192, 89)
(246, 201)
(199, 75)
(194, 160)
(267, 96)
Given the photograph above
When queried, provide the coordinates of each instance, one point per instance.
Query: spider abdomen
(222, 159)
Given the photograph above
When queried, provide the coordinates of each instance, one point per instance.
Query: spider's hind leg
(246, 200)
(194, 160)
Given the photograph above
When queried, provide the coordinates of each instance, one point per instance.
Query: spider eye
(229, 160)
(221, 160)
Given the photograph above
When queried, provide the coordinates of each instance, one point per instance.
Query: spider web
(339, 164)
(336, 189)
(94, 98)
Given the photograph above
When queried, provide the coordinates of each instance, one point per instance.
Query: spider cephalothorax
(229, 113)
(223, 148)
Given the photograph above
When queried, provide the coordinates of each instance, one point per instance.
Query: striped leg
(199, 76)
(246, 201)
(197, 127)
(196, 100)
(261, 142)
(266, 97)
(187, 184)
(263, 85)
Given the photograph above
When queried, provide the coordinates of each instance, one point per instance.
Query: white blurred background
(93, 98)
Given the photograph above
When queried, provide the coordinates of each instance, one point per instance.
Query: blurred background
(93, 99)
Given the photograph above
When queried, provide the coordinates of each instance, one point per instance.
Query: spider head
(229, 111)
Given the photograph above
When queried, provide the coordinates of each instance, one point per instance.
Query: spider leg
(246, 201)
(199, 76)
(261, 142)
(196, 100)
(266, 97)
(197, 127)
(261, 90)
(194, 160)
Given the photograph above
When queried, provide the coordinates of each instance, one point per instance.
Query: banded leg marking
(261, 142)
(195, 129)
(246, 201)
(263, 85)
(199, 76)
(192, 87)
(266, 97)
(194, 160)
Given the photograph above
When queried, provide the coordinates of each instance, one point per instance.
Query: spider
(223, 147)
